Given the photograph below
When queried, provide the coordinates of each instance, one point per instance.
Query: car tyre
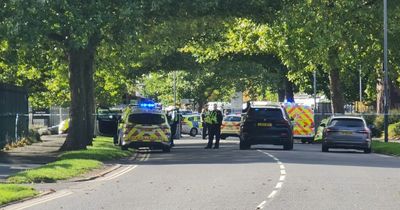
(325, 148)
(244, 145)
(303, 141)
(193, 132)
(166, 149)
(223, 137)
(368, 150)
(288, 146)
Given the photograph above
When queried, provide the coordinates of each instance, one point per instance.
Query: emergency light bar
(147, 105)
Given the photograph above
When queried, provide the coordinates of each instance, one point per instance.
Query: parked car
(264, 123)
(230, 126)
(191, 124)
(346, 132)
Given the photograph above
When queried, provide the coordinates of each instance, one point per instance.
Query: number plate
(264, 124)
(347, 132)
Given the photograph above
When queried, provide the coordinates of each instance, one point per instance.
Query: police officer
(214, 128)
(204, 114)
(173, 119)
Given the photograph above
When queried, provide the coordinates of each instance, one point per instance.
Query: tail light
(282, 123)
(365, 131)
(330, 130)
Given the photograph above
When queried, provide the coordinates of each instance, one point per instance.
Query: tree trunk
(289, 90)
(281, 94)
(335, 83)
(379, 97)
(81, 126)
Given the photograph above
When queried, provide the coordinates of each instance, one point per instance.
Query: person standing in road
(173, 120)
(204, 114)
(214, 128)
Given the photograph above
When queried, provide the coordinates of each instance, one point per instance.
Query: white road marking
(279, 185)
(63, 193)
(262, 205)
(36, 201)
(120, 173)
(273, 193)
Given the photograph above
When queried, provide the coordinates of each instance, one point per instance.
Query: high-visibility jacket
(207, 117)
(215, 117)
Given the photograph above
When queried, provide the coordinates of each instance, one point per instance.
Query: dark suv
(263, 123)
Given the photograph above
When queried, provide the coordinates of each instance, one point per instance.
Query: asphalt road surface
(265, 177)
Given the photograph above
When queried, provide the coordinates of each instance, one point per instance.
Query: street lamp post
(175, 89)
(385, 67)
(360, 86)
(315, 99)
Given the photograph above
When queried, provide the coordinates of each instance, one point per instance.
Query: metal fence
(13, 113)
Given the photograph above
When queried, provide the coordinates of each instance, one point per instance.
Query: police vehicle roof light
(147, 105)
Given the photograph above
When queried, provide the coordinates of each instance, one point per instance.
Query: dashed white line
(273, 193)
(279, 185)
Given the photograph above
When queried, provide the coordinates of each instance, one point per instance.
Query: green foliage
(12, 192)
(394, 130)
(59, 170)
(71, 164)
(390, 148)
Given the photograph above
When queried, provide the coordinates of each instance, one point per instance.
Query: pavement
(30, 156)
(265, 177)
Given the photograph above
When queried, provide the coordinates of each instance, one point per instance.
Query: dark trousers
(204, 133)
(214, 130)
(173, 133)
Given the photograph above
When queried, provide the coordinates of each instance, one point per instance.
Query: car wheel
(288, 146)
(166, 149)
(223, 137)
(303, 141)
(193, 132)
(368, 150)
(244, 146)
(325, 148)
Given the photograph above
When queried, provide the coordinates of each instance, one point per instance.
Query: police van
(144, 125)
(303, 121)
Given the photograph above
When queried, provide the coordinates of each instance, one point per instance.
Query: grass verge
(11, 192)
(389, 148)
(73, 163)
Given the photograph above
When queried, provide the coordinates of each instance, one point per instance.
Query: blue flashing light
(147, 105)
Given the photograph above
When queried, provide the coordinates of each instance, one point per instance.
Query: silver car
(346, 132)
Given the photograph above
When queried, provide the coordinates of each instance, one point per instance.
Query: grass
(73, 163)
(390, 148)
(11, 192)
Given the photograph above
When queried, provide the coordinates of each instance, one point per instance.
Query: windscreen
(232, 119)
(147, 118)
(356, 123)
(267, 113)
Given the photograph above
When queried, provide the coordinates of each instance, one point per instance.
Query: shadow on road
(229, 153)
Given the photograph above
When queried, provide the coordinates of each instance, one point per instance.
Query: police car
(191, 124)
(144, 125)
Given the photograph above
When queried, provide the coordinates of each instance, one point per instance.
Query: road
(265, 177)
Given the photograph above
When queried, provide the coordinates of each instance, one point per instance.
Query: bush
(394, 117)
(394, 130)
